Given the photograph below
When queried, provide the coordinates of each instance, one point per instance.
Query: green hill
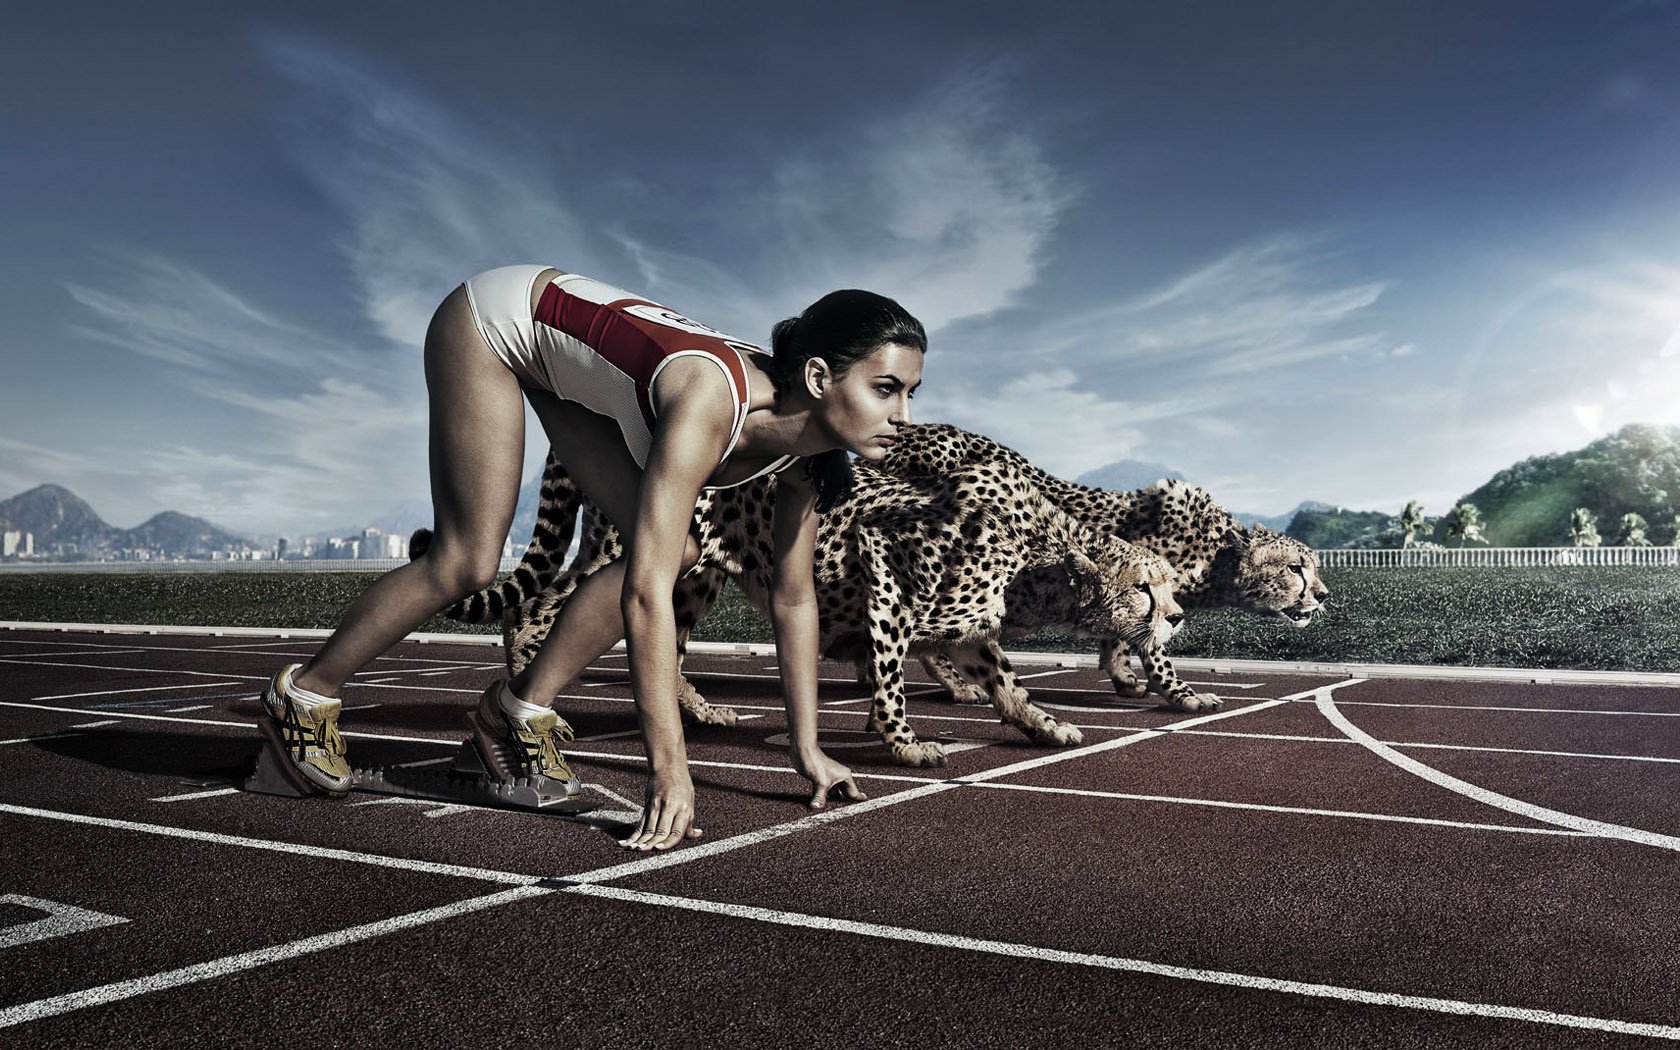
(1635, 470)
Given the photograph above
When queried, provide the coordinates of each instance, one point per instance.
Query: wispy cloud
(429, 197)
(1260, 306)
(949, 206)
(171, 312)
(1208, 352)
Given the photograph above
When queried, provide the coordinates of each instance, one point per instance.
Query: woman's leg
(591, 621)
(476, 450)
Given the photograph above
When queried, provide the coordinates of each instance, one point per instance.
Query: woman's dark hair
(842, 328)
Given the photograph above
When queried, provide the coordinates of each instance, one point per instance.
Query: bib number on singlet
(669, 318)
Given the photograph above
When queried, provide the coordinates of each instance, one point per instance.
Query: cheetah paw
(1058, 734)
(969, 694)
(920, 753)
(1130, 687)
(1196, 702)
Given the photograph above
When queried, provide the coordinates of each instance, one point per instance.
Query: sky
(1345, 251)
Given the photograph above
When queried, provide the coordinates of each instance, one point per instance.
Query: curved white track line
(1327, 707)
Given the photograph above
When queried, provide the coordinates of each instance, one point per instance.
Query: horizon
(1311, 253)
(397, 519)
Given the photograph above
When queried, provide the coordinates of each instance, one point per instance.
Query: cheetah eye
(1299, 569)
(1144, 587)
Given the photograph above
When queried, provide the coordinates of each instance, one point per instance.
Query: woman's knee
(456, 572)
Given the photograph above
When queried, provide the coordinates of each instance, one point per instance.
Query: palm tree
(1464, 523)
(1411, 521)
(1632, 532)
(1583, 528)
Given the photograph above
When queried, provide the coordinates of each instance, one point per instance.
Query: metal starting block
(465, 783)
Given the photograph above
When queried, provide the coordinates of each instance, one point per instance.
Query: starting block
(465, 783)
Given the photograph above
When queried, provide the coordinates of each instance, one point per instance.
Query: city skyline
(1356, 254)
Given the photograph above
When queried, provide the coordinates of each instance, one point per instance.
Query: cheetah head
(1124, 592)
(1279, 575)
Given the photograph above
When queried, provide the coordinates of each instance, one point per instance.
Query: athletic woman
(645, 408)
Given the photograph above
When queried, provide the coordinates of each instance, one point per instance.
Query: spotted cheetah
(1216, 561)
(906, 565)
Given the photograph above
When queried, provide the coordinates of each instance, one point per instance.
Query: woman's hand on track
(668, 816)
(825, 775)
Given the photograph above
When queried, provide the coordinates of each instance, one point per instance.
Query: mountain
(1127, 474)
(59, 519)
(179, 534)
(64, 524)
(1636, 470)
(56, 516)
(1325, 527)
(1285, 521)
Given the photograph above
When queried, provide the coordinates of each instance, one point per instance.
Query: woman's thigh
(592, 449)
(476, 433)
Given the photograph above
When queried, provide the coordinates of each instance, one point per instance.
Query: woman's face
(864, 408)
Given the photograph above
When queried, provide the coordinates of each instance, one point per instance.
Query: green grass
(1583, 618)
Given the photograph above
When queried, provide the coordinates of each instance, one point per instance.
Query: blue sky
(1355, 252)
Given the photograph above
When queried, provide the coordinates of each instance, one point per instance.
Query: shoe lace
(328, 732)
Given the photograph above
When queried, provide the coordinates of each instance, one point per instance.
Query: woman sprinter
(645, 408)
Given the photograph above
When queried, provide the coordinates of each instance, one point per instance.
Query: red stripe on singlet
(632, 345)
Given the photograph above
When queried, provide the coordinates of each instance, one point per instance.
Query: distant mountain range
(64, 525)
(1633, 471)
(1126, 474)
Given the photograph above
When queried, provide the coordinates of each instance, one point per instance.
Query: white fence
(1515, 557)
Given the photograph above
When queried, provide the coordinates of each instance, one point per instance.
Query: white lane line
(616, 797)
(1523, 710)
(32, 739)
(1299, 810)
(88, 652)
(605, 736)
(212, 793)
(909, 694)
(61, 921)
(144, 689)
(359, 707)
(215, 968)
(1228, 685)
(1045, 674)
(1109, 962)
(195, 707)
(1327, 707)
(1528, 751)
(95, 650)
(135, 670)
(125, 715)
(96, 725)
(294, 848)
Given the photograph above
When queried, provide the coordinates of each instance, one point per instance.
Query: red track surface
(1256, 879)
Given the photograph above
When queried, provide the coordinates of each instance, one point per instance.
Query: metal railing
(1513, 557)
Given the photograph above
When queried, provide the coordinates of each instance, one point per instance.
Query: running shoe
(307, 737)
(512, 747)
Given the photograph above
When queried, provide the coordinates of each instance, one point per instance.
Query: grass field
(1581, 618)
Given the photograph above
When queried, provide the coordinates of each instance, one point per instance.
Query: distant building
(18, 545)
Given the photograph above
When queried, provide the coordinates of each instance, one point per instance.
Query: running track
(1333, 860)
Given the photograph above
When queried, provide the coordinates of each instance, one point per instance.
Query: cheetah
(907, 565)
(1216, 561)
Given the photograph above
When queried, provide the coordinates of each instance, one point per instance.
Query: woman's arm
(793, 614)
(687, 443)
